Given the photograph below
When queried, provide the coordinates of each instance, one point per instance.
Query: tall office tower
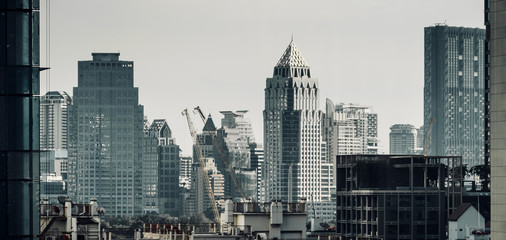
(292, 131)
(19, 121)
(453, 92)
(350, 129)
(236, 136)
(495, 12)
(403, 139)
(105, 136)
(160, 170)
(53, 120)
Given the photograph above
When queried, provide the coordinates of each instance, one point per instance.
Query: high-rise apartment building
(403, 139)
(454, 93)
(105, 136)
(495, 20)
(292, 131)
(257, 162)
(236, 136)
(185, 167)
(53, 120)
(350, 129)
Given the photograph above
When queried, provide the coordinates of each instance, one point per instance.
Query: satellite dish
(61, 199)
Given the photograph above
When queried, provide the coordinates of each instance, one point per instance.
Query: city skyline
(226, 47)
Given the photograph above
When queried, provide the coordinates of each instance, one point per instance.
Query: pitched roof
(292, 57)
(459, 211)
(209, 126)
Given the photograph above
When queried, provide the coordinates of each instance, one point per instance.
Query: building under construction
(396, 197)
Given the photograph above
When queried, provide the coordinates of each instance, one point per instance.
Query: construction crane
(224, 157)
(198, 150)
(426, 146)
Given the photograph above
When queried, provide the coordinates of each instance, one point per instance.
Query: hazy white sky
(217, 54)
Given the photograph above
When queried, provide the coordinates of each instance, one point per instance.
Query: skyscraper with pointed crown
(292, 131)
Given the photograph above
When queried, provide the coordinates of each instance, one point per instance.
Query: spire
(292, 63)
(292, 57)
(209, 126)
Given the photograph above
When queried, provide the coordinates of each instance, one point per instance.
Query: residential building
(495, 21)
(53, 120)
(185, 166)
(403, 139)
(454, 92)
(257, 162)
(19, 120)
(410, 198)
(106, 136)
(350, 129)
(292, 131)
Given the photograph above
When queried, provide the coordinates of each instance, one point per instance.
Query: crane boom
(223, 157)
(198, 150)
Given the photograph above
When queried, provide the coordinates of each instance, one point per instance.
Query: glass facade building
(454, 92)
(19, 122)
(106, 136)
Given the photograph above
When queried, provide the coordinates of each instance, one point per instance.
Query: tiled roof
(459, 211)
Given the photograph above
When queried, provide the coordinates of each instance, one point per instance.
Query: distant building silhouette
(454, 93)
(105, 136)
(403, 139)
(292, 131)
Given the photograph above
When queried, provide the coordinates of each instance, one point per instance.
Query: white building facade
(292, 131)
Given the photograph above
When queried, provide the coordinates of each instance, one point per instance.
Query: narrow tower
(292, 128)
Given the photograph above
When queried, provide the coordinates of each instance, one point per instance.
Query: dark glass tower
(105, 136)
(19, 122)
(454, 93)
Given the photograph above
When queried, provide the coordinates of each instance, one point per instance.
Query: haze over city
(217, 54)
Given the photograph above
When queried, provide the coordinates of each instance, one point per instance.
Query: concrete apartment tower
(454, 92)
(350, 129)
(105, 136)
(495, 12)
(53, 120)
(403, 139)
(292, 131)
